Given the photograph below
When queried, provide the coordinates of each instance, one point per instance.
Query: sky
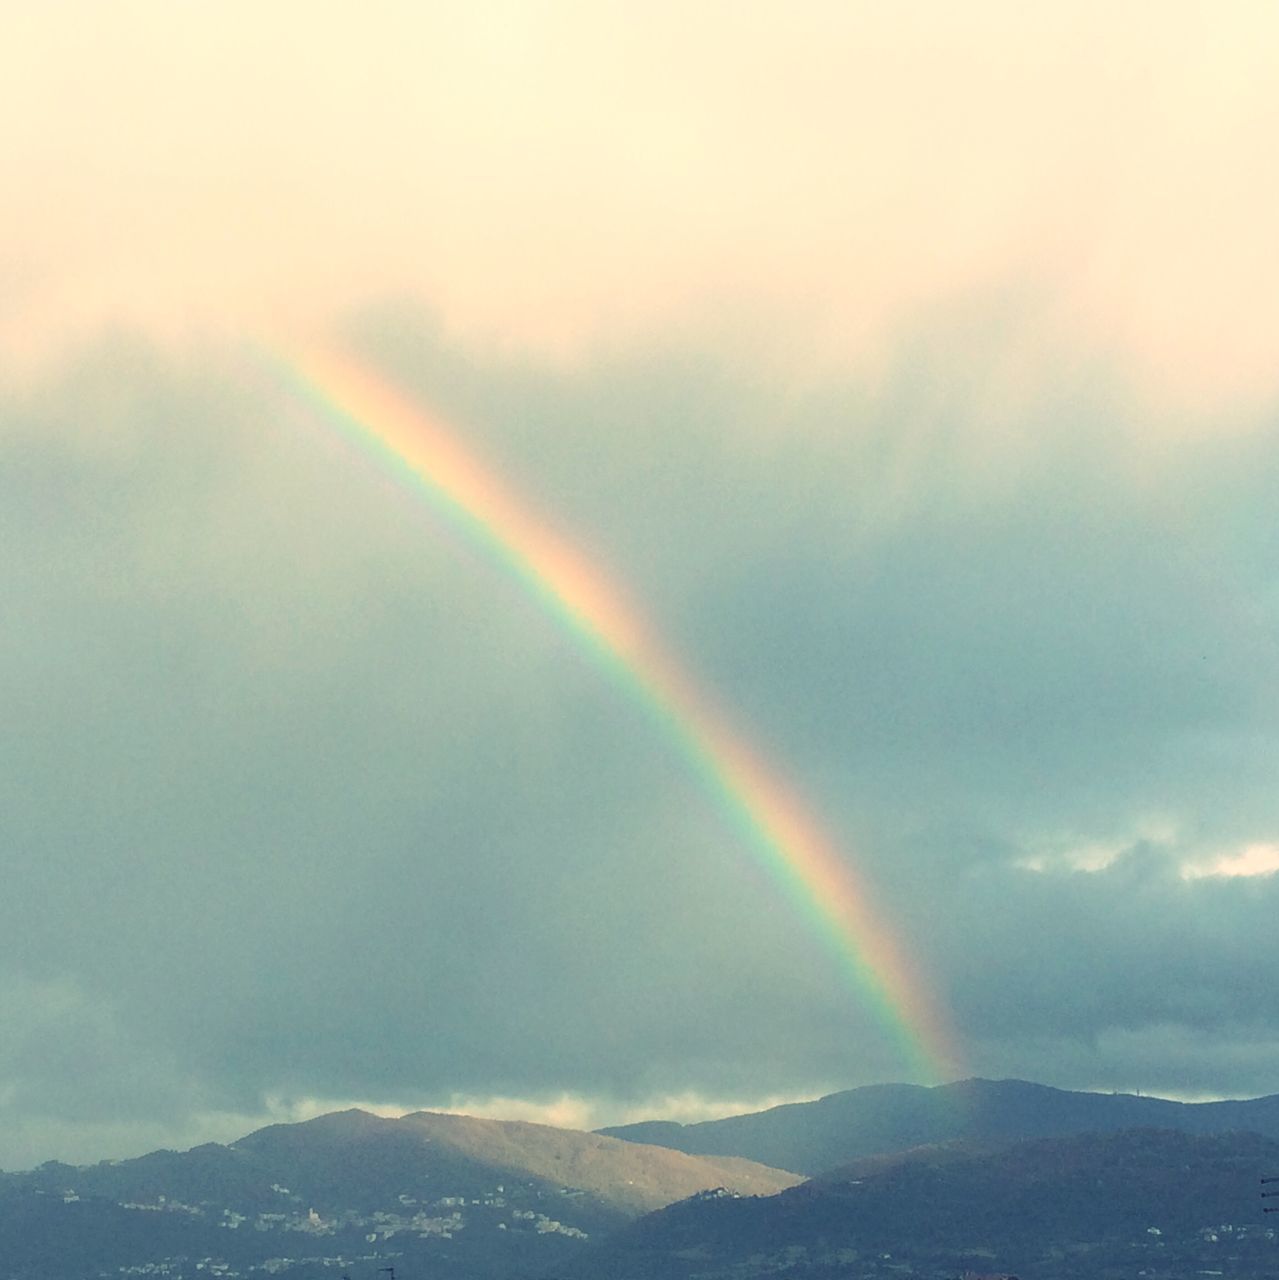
(909, 368)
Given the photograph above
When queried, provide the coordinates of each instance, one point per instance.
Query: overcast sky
(912, 367)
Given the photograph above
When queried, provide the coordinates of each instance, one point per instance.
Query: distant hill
(1139, 1202)
(356, 1154)
(477, 1198)
(435, 1195)
(810, 1137)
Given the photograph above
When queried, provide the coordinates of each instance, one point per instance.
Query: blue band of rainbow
(420, 451)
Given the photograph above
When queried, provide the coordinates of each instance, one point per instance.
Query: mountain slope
(477, 1198)
(810, 1137)
(338, 1153)
(1139, 1201)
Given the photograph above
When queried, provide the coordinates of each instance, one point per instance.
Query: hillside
(1139, 1202)
(356, 1154)
(482, 1198)
(430, 1194)
(810, 1137)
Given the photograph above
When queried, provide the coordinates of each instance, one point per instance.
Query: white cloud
(1260, 859)
(578, 1111)
(564, 177)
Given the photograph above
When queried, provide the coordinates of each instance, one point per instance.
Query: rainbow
(423, 453)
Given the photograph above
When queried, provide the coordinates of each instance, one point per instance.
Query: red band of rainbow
(418, 449)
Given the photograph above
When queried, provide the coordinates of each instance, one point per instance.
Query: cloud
(1253, 860)
(911, 368)
(565, 180)
(304, 799)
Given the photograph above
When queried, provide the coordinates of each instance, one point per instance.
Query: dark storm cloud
(303, 798)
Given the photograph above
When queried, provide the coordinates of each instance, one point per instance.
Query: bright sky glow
(856, 648)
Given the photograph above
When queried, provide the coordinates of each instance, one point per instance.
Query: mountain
(356, 1155)
(1139, 1202)
(426, 1192)
(810, 1137)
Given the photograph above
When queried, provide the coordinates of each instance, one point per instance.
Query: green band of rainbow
(420, 451)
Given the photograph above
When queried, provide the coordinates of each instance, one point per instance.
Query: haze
(912, 368)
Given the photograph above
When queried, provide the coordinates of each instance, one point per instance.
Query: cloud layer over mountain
(928, 413)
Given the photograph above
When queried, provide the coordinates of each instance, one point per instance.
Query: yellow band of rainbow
(418, 449)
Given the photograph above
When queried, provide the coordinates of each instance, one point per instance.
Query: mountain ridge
(427, 1191)
(478, 1199)
(811, 1137)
